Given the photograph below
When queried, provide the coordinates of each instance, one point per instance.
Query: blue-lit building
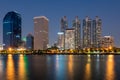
(12, 30)
(29, 42)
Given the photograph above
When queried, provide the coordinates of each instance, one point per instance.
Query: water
(59, 67)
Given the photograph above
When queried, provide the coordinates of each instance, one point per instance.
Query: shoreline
(61, 53)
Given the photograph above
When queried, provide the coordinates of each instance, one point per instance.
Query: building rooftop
(41, 17)
(70, 29)
(107, 36)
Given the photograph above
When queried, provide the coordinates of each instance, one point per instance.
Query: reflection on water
(1, 67)
(87, 74)
(21, 68)
(57, 63)
(59, 67)
(70, 66)
(110, 74)
(10, 69)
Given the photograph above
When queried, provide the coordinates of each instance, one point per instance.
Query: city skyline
(107, 11)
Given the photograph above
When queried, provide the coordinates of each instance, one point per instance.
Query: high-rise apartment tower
(77, 27)
(87, 33)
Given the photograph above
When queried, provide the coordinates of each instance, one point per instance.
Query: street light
(10, 49)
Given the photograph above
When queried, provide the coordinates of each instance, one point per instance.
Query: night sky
(107, 10)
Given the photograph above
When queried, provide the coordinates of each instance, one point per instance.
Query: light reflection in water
(98, 63)
(70, 65)
(57, 62)
(1, 67)
(87, 74)
(88, 59)
(10, 72)
(60, 69)
(61, 66)
(21, 68)
(110, 74)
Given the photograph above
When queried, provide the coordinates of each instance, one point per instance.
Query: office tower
(64, 26)
(70, 38)
(12, 30)
(87, 33)
(107, 42)
(96, 32)
(60, 43)
(76, 26)
(29, 42)
(40, 33)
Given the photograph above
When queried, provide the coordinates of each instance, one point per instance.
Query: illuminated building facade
(87, 39)
(40, 33)
(70, 38)
(29, 42)
(64, 26)
(96, 32)
(107, 41)
(12, 30)
(77, 28)
(60, 43)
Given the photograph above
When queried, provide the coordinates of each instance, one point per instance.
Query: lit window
(17, 36)
(9, 33)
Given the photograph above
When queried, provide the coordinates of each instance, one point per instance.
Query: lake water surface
(59, 67)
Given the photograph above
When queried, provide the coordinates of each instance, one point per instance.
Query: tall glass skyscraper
(29, 42)
(12, 30)
(76, 26)
(64, 24)
(87, 33)
(96, 32)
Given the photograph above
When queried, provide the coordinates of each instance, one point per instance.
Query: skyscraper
(12, 30)
(40, 33)
(96, 32)
(87, 33)
(64, 26)
(76, 26)
(29, 42)
(60, 43)
(70, 38)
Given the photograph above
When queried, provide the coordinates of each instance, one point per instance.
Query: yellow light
(106, 49)
(10, 70)
(88, 49)
(110, 47)
(21, 49)
(71, 50)
(21, 68)
(10, 49)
